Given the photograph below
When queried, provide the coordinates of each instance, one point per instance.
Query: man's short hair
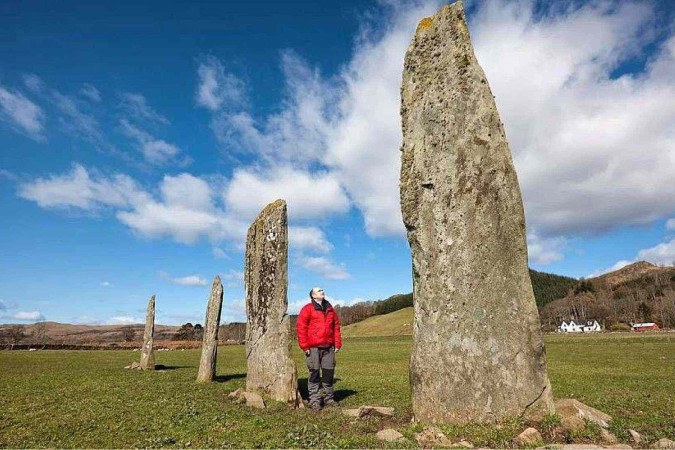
(310, 293)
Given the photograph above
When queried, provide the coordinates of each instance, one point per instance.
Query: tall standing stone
(207, 363)
(271, 369)
(478, 353)
(147, 354)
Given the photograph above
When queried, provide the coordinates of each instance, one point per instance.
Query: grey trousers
(321, 365)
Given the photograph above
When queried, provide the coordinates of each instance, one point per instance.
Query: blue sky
(138, 142)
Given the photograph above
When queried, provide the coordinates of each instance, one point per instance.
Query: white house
(580, 327)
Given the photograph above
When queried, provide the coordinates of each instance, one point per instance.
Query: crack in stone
(533, 401)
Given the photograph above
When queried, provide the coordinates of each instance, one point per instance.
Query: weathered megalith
(207, 363)
(478, 354)
(147, 354)
(271, 369)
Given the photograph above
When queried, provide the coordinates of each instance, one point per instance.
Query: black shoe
(315, 406)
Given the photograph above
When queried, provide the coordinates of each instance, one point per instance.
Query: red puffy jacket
(318, 326)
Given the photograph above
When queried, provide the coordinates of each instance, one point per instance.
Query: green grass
(86, 399)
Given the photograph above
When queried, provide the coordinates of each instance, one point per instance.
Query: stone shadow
(163, 367)
(226, 378)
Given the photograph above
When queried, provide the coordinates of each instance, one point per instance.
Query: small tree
(39, 333)
(16, 334)
(198, 332)
(128, 334)
(184, 333)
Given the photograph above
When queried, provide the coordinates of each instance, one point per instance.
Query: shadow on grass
(226, 378)
(340, 394)
(163, 367)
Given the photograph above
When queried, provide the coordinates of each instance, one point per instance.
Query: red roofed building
(644, 326)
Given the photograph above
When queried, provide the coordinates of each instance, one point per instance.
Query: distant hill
(547, 287)
(397, 323)
(639, 292)
(64, 333)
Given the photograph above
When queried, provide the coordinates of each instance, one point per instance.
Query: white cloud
(616, 266)
(136, 106)
(75, 121)
(123, 320)
(297, 133)
(190, 280)
(216, 87)
(219, 253)
(544, 251)
(29, 315)
(364, 141)
(78, 190)
(106, 283)
(308, 238)
(234, 310)
(185, 211)
(233, 278)
(308, 195)
(21, 113)
(663, 253)
(660, 254)
(155, 151)
(33, 82)
(185, 208)
(90, 92)
(574, 129)
(324, 267)
(670, 224)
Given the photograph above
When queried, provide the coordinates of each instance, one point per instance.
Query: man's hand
(306, 352)
(337, 350)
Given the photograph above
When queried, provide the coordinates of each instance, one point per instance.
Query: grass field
(86, 399)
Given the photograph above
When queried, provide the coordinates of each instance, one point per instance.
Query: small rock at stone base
(254, 400)
(369, 411)
(354, 412)
(236, 395)
(572, 423)
(528, 437)
(462, 444)
(389, 435)
(432, 437)
(637, 437)
(133, 366)
(570, 407)
(607, 437)
(664, 443)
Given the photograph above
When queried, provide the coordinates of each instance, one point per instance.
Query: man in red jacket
(319, 337)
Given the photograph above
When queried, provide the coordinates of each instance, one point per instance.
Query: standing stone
(478, 353)
(147, 354)
(207, 363)
(271, 369)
